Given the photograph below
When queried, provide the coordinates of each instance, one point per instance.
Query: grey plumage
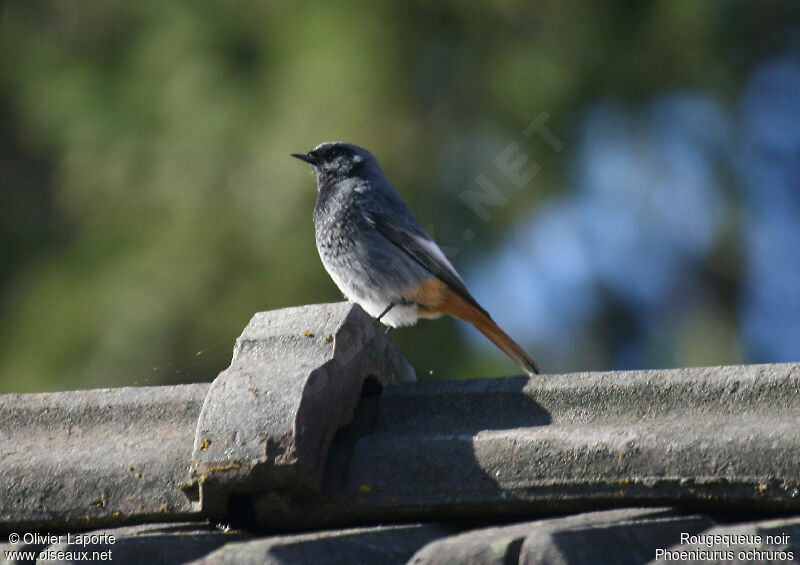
(379, 255)
(364, 233)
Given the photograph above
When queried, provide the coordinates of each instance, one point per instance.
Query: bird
(379, 255)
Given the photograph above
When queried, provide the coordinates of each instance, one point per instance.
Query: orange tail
(456, 306)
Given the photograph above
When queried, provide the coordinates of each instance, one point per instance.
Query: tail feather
(456, 306)
(510, 347)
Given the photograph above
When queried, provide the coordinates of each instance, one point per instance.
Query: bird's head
(335, 160)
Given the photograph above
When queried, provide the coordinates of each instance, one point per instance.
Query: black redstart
(378, 254)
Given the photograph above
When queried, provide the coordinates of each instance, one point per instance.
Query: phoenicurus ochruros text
(378, 254)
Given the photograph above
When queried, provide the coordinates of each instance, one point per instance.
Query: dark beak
(305, 157)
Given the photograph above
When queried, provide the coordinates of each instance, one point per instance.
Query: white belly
(374, 303)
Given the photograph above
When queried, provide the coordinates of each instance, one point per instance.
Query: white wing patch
(430, 246)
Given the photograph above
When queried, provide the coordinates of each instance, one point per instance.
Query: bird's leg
(389, 307)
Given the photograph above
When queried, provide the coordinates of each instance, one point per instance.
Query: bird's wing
(405, 232)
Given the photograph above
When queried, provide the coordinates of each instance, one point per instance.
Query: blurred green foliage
(148, 205)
